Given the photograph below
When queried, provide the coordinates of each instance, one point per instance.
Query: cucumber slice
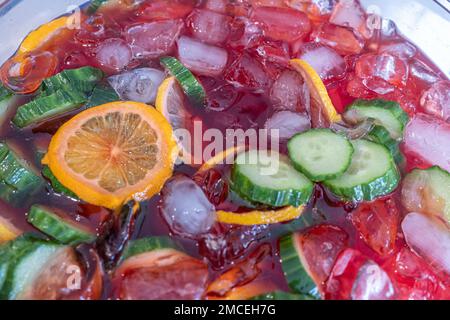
(95, 5)
(143, 245)
(102, 93)
(4, 93)
(16, 174)
(371, 174)
(56, 185)
(320, 154)
(7, 100)
(295, 269)
(281, 295)
(25, 267)
(82, 80)
(47, 107)
(380, 135)
(427, 191)
(189, 83)
(9, 194)
(58, 227)
(388, 114)
(10, 253)
(268, 177)
(62, 93)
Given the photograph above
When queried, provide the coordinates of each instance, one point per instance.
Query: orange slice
(325, 113)
(250, 290)
(7, 230)
(112, 153)
(170, 102)
(260, 217)
(39, 36)
(223, 157)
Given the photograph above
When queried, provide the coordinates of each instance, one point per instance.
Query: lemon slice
(7, 230)
(112, 153)
(325, 112)
(260, 217)
(170, 103)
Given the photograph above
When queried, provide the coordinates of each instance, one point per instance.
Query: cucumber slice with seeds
(380, 135)
(320, 154)
(11, 253)
(371, 174)
(388, 114)
(8, 252)
(58, 227)
(47, 107)
(25, 265)
(294, 268)
(191, 86)
(268, 177)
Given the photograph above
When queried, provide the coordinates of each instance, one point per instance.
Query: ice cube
(245, 34)
(357, 89)
(157, 10)
(414, 278)
(430, 238)
(354, 276)
(384, 66)
(326, 61)
(274, 51)
(349, 13)
(216, 5)
(320, 246)
(436, 100)
(421, 72)
(377, 224)
(316, 8)
(282, 23)
(428, 138)
(202, 58)
(113, 54)
(247, 72)
(154, 39)
(185, 208)
(209, 26)
(372, 283)
(288, 123)
(342, 39)
(401, 49)
(287, 92)
(138, 85)
(220, 94)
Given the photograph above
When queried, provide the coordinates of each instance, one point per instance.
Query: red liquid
(241, 108)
